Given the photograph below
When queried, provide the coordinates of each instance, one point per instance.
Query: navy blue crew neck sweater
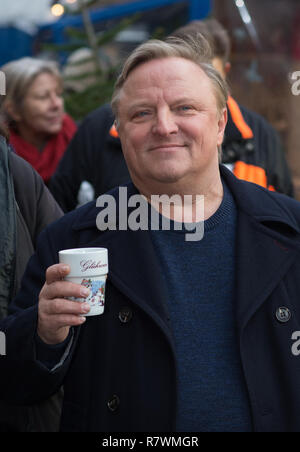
(200, 278)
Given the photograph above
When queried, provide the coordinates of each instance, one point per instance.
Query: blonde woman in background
(33, 108)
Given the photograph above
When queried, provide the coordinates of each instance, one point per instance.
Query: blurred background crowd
(89, 39)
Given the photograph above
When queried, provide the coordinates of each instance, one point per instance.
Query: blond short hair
(192, 48)
(19, 75)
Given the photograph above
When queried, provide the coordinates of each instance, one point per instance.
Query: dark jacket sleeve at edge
(24, 380)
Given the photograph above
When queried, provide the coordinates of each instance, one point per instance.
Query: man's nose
(165, 124)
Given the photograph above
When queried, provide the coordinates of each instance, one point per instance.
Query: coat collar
(268, 242)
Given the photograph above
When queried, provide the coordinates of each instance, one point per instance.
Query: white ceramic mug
(89, 267)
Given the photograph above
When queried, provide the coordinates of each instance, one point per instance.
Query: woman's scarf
(7, 230)
(45, 161)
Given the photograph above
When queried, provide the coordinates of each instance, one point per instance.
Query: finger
(64, 307)
(57, 272)
(62, 289)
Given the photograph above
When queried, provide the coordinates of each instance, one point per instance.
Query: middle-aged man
(196, 335)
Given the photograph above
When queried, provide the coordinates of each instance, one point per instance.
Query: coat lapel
(268, 242)
(263, 258)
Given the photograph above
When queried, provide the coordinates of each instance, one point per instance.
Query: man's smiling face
(169, 123)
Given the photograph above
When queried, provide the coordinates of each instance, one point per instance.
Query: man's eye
(185, 108)
(141, 114)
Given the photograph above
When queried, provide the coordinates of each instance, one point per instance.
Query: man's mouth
(167, 147)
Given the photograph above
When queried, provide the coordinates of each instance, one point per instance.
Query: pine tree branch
(91, 35)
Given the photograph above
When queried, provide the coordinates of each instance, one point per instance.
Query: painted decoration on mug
(97, 289)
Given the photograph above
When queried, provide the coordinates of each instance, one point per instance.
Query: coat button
(125, 315)
(283, 314)
(113, 403)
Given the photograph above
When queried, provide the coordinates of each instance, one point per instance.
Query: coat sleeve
(24, 379)
(36, 203)
(270, 153)
(93, 156)
(75, 167)
(48, 210)
(35, 209)
(278, 172)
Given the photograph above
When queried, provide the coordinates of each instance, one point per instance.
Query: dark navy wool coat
(120, 373)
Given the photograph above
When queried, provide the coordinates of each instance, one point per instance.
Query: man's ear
(223, 117)
(227, 67)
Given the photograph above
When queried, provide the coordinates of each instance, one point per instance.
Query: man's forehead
(152, 79)
(163, 72)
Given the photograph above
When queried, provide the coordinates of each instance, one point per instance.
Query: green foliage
(99, 90)
(79, 104)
